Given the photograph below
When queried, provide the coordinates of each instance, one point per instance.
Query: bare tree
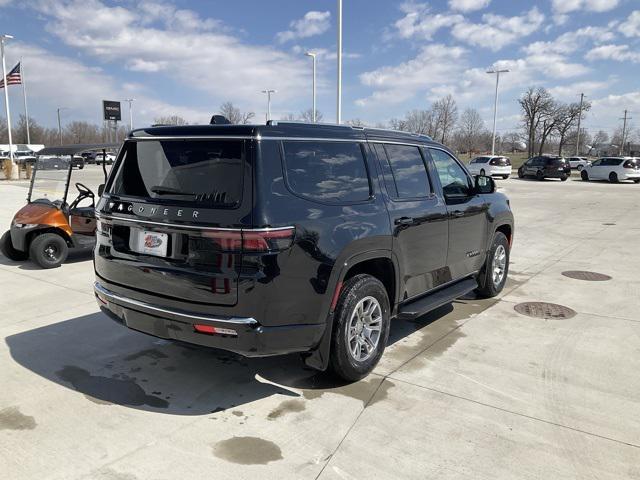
(566, 118)
(470, 130)
(307, 116)
(536, 105)
(356, 122)
(289, 117)
(445, 112)
(235, 115)
(82, 132)
(600, 138)
(170, 120)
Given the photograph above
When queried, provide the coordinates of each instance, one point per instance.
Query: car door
(418, 217)
(467, 212)
(531, 166)
(595, 171)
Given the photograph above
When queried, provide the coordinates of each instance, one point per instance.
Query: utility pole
(313, 57)
(269, 92)
(59, 126)
(579, 119)
(624, 131)
(14, 167)
(339, 99)
(130, 100)
(495, 107)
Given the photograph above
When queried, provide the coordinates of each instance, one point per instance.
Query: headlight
(25, 225)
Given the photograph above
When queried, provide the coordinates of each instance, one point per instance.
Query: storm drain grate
(588, 276)
(548, 311)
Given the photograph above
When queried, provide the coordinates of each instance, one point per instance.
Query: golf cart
(47, 226)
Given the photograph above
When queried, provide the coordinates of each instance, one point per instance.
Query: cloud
(570, 42)
(498, 31)
(631, 27)
(619, 53)
(569, 92)
(419, 23)
(468, 5)
(434, 64)
(567, 6)
(313, 23)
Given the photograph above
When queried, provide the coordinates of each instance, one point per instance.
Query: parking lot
(472, 390)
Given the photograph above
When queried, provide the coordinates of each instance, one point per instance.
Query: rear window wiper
(160, 190)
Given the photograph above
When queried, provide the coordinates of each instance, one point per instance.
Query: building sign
(111, 110)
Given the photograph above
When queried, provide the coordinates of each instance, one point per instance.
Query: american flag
(13, 77)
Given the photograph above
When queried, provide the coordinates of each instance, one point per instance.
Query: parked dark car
(546, 166)
(282, 238)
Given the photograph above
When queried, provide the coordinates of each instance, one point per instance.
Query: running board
(436, 299)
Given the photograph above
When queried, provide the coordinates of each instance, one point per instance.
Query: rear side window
(409, 177)
(329, 172)
(200, 171)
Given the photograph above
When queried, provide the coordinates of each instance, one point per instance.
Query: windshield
(50, 178)
(195, 171)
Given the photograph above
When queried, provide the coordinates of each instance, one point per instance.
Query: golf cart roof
(73, 149)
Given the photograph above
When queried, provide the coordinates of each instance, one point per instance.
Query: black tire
(482, 172)
(636, 180)
(563, 178)
(341, 362)
(613, 177)
(520, 173)
(487, 287)
(584, 176)
(539, 175)
(48, 250)
(580, 168)
(7, 249)
(505, 177)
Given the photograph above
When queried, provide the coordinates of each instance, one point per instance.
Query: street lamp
(130, 100)
(495, 107)
(313, 57)
(59, 124)
(269, 92)
(3, 39)
(339, 56)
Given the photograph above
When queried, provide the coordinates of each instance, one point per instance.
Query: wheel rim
(364, 329)
(51, 252)
(499, 265)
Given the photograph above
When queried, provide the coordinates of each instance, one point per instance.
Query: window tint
(331, 172)
(408, 170)
(455, 181)
(203, 172)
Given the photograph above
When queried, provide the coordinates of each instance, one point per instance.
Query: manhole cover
(588, 276)
(549, 311)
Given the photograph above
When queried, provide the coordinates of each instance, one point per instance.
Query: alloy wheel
(365, 328)
(499, 265)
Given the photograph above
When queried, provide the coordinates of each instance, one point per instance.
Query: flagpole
(24, 96)
(14, 169)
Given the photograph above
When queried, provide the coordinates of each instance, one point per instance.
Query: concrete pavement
(473, 390)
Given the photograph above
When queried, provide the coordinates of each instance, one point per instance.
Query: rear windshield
(194, 171)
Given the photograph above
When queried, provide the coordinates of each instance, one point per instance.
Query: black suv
(282, 238)
(546, 166)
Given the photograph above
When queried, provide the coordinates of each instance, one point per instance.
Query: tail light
(267, 240)
(210, 330)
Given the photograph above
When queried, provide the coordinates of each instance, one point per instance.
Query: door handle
(404, 221)
(457, 213)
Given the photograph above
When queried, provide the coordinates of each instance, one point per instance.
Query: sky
(187, 57)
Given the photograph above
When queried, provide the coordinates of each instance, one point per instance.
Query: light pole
(313, 57)
(495, 108)
(59, 124)
(579, 118)
(339, 99)
(269, 92)
(130, 100)
(3, 39)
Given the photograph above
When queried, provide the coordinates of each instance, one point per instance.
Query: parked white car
(614, 169)
(578, 163)
(109, 160)
(491, 165)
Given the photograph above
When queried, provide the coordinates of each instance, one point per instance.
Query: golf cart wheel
(48, 250)
(540, 175)
(8, 250)
(613, 177)
(584, 175)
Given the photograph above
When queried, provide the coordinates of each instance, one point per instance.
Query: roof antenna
(219, 120)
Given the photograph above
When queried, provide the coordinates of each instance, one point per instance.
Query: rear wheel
(540, 175)
(48, 250)
(482, 172)
(613, 177)
(584, 175)
(8, 250)
(637, 180)
(520, 173)
(580, 167)
(563, 178)
(504, 177)
(493, 276)
(361, 327)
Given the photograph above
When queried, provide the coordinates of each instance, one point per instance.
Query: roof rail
(303, 122)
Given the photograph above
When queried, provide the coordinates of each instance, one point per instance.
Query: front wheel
(504, 177)
(493, 276)
(637, 180)
(613, 177)
(540, 175)
(9, 251)
(563, 178)
(361, 327)
(584, 175)
(48, 250)
(482, 172)
(520, 173)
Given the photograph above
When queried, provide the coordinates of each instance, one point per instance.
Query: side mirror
(100, 189)
(485, 185)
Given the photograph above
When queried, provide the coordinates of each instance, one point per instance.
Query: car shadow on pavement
(110, 364)
(75, 256)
